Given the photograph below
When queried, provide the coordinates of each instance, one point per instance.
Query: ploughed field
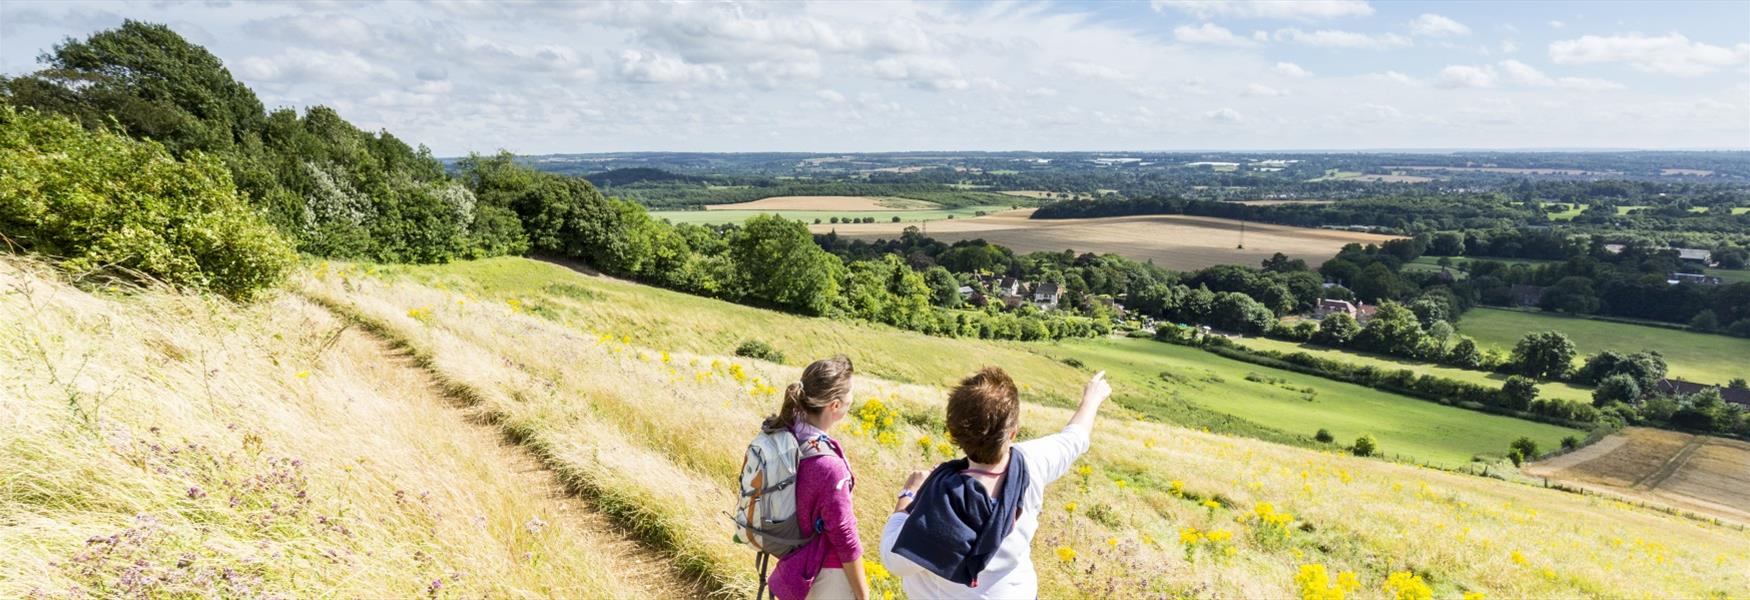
(1172, 241)
(1698, 357)
(1704, 474)
(594, 378)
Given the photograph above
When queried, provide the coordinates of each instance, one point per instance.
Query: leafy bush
(1365, 446)
(1324, 436)
(1525, 446)
(111, 204)
(760, 350)
(1570, 442)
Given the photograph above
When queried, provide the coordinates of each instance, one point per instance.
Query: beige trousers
(831, 585)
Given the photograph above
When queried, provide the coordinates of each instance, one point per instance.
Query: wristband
(903, 494)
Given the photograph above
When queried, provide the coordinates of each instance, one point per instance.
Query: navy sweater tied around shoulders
(955, 526)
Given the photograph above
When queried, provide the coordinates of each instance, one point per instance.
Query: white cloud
(1291, 70)
(1508, 47)
(1330, 38)
(1268, 9)
(1557, 24)
(649, 67)
(1258, 89)
(1224, 115)
(1669, 54)
(922, 72)
(1433, 25)
(1467, 76)
(830, 96)
(1395, 77)
(1515, 73)
(1096, 70)
(1209, 33)
(298, 64)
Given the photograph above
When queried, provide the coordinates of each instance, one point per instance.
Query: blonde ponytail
(823, 381)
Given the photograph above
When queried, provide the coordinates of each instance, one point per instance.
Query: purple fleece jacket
(823, 495)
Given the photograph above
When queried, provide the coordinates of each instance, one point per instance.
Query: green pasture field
(1564, 391)
(1146, 372)
(1700, 357)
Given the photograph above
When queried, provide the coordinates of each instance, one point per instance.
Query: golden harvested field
(1280, 202)
(1391, 178)
(837, 203)
(1171, 241)
(1697, 473)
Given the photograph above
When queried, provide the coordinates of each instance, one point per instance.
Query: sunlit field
(1158, 510)
(1700, 357)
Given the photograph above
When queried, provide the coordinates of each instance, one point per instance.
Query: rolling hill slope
(648, 433)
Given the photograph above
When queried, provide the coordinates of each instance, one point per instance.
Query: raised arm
(1092, 395)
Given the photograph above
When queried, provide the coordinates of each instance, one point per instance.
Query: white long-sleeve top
(1009, 573)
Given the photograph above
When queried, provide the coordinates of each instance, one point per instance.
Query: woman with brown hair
(830, 565)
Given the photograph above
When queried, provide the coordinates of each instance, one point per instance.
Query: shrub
(1324, 436)
(109, 203)
(1365, 446)
(1525, 446)
(760, 350)
(1570, 442)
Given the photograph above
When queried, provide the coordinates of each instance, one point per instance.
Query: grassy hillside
(656, 431)
(382, 490)
(1693, 356)
(1302, 404)
(1565, 391)
(160, 445)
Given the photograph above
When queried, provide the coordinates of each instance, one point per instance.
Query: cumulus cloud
(830, 96)
(1268, 9)
(649, 67)
(1224, 115)
(1209, 33)
(1258, 89)
(1515, 73)
(1669, 54)
(1096, 70)
(1291, 70)
(1433, 25)
(922, 72)
(1330, 38)
(299, 65)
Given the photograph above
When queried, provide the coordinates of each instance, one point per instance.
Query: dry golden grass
(160, 445)
(834, 203)
(659, 434)
(1698, 473)
(1171, 241)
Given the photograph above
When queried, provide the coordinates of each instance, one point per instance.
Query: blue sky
(875, 76)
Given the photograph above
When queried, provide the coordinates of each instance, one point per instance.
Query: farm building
(1695, 278)
(1045, 295)
(1679, 387)
(1360, 311)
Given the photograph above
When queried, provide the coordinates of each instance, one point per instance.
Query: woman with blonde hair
(830, 565)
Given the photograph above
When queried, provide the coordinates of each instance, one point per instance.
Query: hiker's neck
(820, 421)
(1001, 463)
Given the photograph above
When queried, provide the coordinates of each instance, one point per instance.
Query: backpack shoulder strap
(825, 446)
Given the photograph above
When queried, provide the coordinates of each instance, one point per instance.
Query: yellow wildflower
(1518, 559)
(1404, 585)
(1065, 553)
(1211, 504)
(1473, 596)
(1113, 542)
(1069, 506)
(303, 374)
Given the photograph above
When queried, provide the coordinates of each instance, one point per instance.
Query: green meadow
(1699, 357)
(1565, 391)
(1146, 373)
